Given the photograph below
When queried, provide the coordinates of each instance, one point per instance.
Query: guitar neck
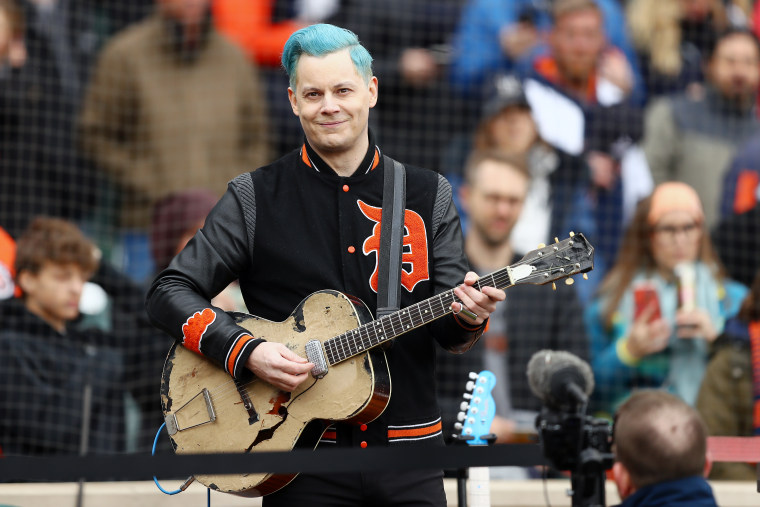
(546, 264)
(359, 340)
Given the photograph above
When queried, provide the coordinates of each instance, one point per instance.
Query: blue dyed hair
(320, 40)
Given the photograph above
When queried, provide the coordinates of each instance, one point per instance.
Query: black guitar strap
(391, 237)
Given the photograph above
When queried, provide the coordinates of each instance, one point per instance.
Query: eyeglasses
(671, 231)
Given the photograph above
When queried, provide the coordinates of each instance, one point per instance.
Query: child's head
(53, 261)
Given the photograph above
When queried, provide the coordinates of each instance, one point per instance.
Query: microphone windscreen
(547, 367)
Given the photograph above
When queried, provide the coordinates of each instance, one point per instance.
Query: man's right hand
(278, 365)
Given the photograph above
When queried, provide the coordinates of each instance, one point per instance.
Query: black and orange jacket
(295, 227)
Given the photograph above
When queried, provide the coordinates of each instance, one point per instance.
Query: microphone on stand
(560, 379)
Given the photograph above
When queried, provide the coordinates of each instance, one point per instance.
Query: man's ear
(25, 281)
(293, 101)
(622, 480)
(373, 91)
(708, 465)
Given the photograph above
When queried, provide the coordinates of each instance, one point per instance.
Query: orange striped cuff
(415, 432)
(232, 357)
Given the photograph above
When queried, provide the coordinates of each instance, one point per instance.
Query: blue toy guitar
(478, 412)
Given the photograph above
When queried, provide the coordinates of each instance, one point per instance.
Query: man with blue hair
(311, 221)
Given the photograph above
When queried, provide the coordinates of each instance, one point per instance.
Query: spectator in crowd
(62, 389)
(729, 399)
(493, 35)
(693, 137)
(672, 39)
(172, 105)
(660, 447)
(737, 239)
(558, 180)
(50, 55)
(662, 341)
(533, 318)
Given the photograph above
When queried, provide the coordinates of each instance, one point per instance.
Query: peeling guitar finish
(357, 389)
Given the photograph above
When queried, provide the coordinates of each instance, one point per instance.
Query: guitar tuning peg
(569, 281)
(541, 245)
(470, 385)
(572, 234)
(585, 276)
(467, 396)
(458, 426)
(554, 286)
(464, 406)
(461, 416)
(556, 239)
(473, 375)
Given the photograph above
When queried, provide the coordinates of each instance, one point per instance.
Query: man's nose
(330, 104)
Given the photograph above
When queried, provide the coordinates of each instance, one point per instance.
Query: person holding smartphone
(662, 303)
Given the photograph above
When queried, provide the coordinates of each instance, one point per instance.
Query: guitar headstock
(478, 409)
(561, 259)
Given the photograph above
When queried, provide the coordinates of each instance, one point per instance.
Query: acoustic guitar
(208, 411)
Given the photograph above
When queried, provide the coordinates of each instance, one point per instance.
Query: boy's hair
(320, 40)
(658, 437)
(561, 8)
(54, 240)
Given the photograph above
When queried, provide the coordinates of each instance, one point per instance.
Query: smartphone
(644, 295)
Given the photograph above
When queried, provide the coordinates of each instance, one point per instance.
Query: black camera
(571, 440)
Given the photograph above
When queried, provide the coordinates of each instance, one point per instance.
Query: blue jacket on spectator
(691, 491)
(478, 53)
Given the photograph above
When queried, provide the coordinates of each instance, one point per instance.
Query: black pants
(380, 489)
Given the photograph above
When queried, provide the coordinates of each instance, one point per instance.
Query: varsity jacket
(295, 227)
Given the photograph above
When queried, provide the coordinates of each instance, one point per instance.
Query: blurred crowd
(634, 122)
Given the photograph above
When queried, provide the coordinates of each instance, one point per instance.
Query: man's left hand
(481, 303)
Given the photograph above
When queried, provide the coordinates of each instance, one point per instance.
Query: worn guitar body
(207, 411)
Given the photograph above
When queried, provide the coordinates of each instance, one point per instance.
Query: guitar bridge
(173, 424)
(315, 355)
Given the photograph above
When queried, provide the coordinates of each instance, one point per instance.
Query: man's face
(332, 101)
(735, 67)
(53, 293)
(577, 41)
(494, 200)
(186, 12)
(513, 130)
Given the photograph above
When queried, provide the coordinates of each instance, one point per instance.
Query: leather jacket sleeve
(449, 267)
(178, 302)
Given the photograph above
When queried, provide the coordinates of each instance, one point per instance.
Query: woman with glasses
(662, 304)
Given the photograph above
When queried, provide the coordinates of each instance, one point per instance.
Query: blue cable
(153, 453)
(155, 480)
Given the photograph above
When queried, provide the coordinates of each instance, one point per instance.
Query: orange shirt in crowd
(249, 24)
(7, 259)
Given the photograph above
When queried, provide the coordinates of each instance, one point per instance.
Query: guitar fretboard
(359, 340)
